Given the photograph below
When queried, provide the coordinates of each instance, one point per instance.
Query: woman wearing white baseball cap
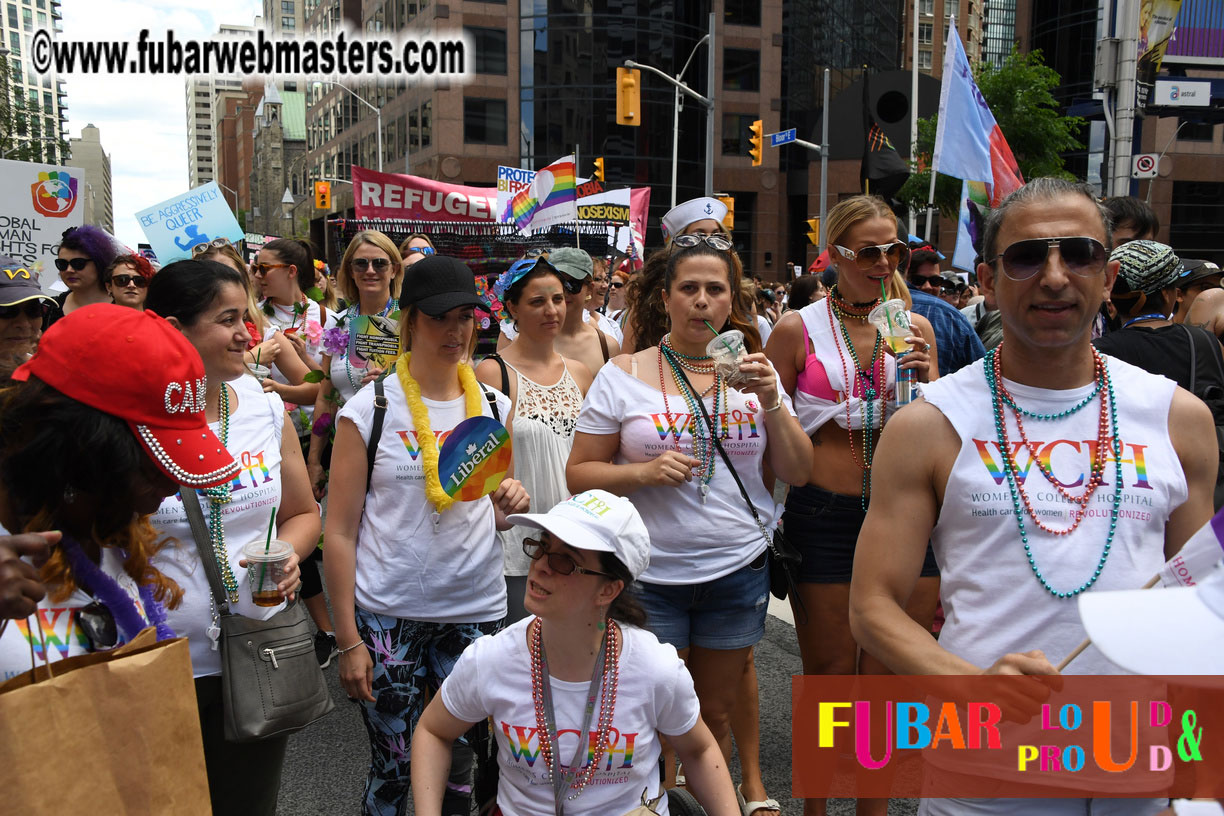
(532, 678)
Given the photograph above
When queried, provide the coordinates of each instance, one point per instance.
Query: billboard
(1200, 30)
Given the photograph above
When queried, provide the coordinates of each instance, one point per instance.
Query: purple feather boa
(107, 590)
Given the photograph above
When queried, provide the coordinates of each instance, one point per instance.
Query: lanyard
(561, 782)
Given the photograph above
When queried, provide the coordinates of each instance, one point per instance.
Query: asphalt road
(326, 764)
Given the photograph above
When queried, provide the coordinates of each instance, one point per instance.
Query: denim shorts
(824, 528)
(726, 613)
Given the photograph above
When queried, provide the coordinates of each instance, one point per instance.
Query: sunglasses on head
(98, 624)
(362, 264)
(262, 268)
(216, 243)
(78, 264)
(31, 308)
(425, 250)
(714, 241)
(127, 280)
(1082, 255)
(869, 256)
(558, 562)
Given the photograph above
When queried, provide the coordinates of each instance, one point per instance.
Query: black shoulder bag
(271, 683)
(784, 559)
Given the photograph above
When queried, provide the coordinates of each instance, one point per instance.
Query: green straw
(718, 334)
(883, 299)
(267, 546)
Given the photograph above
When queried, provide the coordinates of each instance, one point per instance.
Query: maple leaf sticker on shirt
(471, 449)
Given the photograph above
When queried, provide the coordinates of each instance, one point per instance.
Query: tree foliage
(1019, 95)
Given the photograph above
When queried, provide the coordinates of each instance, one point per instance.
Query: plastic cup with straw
(272, 552)
(891, 321)
(727, 350)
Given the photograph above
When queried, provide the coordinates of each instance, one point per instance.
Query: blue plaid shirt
(957, 343)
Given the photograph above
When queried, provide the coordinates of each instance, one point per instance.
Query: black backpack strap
(505, 374)
(380, 414)
(491, 396)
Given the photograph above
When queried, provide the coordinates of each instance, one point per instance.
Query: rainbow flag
(551, 198)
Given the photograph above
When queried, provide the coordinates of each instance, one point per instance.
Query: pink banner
(412, 198)
(639, 211)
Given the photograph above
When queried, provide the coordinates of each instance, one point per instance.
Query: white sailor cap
(690, 212)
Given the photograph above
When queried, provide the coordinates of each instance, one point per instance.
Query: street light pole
(378, 114)
(676, 117)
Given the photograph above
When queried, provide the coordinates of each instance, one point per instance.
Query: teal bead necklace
(1105, 441)
(874, 381)
(704, 448)
(218, 496)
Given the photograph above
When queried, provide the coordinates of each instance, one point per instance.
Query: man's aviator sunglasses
(1022, 260)
(869, 256)
(558, 562)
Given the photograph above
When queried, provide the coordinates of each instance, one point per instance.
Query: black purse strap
(203, 542)
(726, 459)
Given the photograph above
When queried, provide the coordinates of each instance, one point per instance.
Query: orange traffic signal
(628, 97)
(756, 129)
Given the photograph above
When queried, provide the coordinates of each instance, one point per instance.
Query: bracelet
(351, 648)
(776, 405)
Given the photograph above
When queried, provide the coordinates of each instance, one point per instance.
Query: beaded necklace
(1105, 441)
(855, 311)
(875, 380)
(218, 496)
(1151, 316)
(607, 705)
(391, 306)
(704, 448)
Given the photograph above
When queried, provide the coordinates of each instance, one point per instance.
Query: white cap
(598, 521)
(1160, 631)
(690, 212)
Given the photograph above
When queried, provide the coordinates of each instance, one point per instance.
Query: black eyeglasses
(216, 243)
(78, 264)
(715, 241)
(558, 562)
(869, 256)
(362, 264)
(31, 309)
(1082, 255)
(572, 286)
(98, 624)
(126, 280)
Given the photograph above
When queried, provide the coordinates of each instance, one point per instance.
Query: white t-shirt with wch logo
(406, 567)
(654, 695)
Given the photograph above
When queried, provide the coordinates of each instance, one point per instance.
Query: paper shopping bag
(109, 732)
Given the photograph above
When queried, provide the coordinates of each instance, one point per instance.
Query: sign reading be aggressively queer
(174, 226)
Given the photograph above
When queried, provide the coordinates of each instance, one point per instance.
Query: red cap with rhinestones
(137, 367)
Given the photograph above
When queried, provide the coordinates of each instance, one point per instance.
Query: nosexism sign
(176, 225)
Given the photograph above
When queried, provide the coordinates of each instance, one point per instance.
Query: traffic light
(755, 129)
(322, 190)
(599, 168)
(814, 230)
(729, 220)
(628, 97)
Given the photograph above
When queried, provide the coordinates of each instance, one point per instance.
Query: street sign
(782, 137)
(1145, 165)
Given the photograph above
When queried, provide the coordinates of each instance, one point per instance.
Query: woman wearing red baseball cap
(205, 301)
(88, 449)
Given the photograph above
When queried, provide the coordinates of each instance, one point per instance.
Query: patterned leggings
(411, 659)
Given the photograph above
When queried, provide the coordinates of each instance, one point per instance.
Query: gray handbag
(271, 683)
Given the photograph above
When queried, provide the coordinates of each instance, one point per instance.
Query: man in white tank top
(1038, 474)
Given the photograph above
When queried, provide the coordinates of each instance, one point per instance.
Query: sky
(142, 119)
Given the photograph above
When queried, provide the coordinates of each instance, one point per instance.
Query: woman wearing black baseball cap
(414, 575)
(23, 312)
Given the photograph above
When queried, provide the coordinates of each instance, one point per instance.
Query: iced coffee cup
(266, 564)
(727, 352)
(892, 321)
(261, 372)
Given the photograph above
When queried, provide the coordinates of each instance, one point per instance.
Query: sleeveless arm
(1190, 425)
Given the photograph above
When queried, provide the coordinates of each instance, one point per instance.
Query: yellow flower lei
(424, 431)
